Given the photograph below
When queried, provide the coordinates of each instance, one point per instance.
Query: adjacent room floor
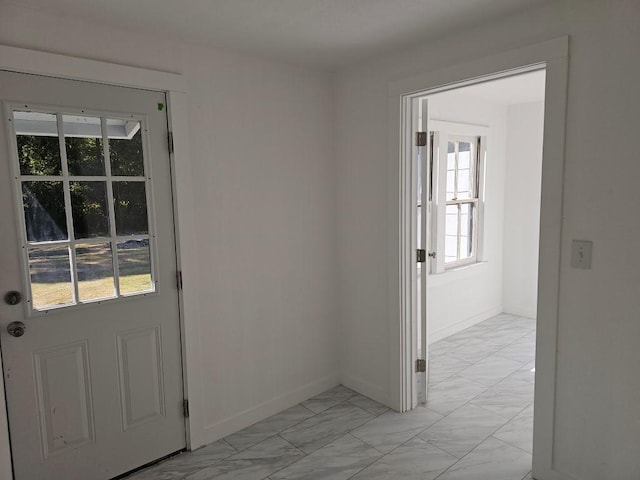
(478, 424)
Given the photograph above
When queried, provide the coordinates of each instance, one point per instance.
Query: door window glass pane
(50, 274)
(86, 230)
(130, 202)
(44, 211)
(134, 264)
(83, 143)
(95, 271)
(37, 142)
(125, 148)
(89, 208)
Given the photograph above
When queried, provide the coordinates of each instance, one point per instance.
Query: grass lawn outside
(51, 294)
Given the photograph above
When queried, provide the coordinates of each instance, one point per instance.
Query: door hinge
(421, 365)
(185, 408)
(421, 139)
(179, 279)
(421, 255)
(170, 141)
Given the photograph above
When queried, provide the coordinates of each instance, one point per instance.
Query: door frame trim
(554, 55)
(174, 86)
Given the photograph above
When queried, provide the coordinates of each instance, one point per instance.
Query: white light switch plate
(581, 253)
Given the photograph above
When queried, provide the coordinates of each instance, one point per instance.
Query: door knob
(12, 297)
(16, 329)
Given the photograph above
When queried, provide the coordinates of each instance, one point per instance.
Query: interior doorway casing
(174, 86)
(551, 55)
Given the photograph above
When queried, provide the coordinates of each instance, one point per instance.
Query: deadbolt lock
(12, 298)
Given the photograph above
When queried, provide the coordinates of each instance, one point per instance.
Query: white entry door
(91, 354)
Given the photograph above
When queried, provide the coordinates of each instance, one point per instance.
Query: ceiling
(326, 34)
(523, 88)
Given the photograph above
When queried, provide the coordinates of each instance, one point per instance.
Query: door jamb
(553, 55)
(174, 85)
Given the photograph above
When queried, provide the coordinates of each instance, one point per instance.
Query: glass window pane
(50, 273)
(451, 220)
(451, 234)
(466, 230)
(44, 213)
(464, 154)
(125, 148)
(95, 271)
(450, 249)
(83, 143)
(464, 182)
(130, 204)
(89, 208)
(134, 263)
(451, 179)
(38, 144)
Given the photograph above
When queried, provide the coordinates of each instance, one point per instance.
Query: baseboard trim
(365, 388)
(263, 410)
(519, 311)
(433, 337)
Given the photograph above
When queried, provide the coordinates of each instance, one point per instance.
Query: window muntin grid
(71, 220)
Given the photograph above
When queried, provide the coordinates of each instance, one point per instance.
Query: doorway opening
(478, 152)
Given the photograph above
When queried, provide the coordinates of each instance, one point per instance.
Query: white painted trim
(520, 311)
(174, 85)
(552, 55)
(254, 414)
(75, 68)
(462, 324)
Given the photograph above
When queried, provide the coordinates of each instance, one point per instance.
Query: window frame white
(440, 133)
(66, 179)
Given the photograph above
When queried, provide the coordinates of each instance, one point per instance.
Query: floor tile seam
(467, 454)
(376, 415)
(509, 443)
(287, 441)
(484, 439)
(386, 454)
(517, 340)
(467, 402)
(507, 420)
(308, 454)
(365, 442)
(272, 434)
(426, 404)
(307, 409)
(363, 424)
(493, 384)
(456, 462)
(480, 359)
(305, 455)
(367, 466)
(317, 414)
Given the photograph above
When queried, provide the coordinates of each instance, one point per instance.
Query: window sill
(456, 273)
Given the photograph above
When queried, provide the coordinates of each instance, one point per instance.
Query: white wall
(263, 185)
(525, 123)
(597, 425)
(459, 298)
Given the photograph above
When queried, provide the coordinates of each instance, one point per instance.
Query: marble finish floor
(477, 424)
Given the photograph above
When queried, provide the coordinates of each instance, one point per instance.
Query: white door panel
(93, 390)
